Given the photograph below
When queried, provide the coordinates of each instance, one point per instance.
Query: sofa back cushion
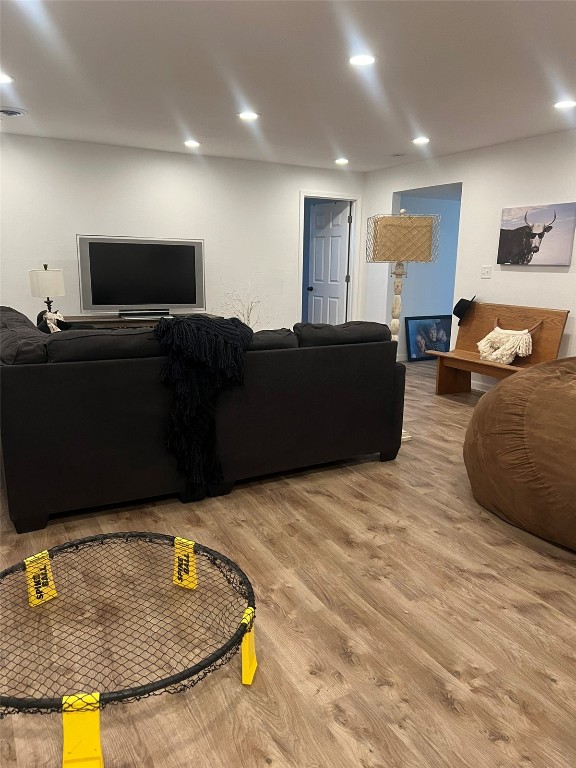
(20, 340)
(280, 338)
(354, 332)
(76, 345)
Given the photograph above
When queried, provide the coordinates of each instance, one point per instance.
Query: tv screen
(134, 274)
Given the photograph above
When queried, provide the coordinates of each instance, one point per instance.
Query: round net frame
(118, 625)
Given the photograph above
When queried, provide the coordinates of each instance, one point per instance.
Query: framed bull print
(542, 235)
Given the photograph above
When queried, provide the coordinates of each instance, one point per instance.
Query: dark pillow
(76, 345)
(354, 332)
(11, 318)
(281, 338)
(20, 340)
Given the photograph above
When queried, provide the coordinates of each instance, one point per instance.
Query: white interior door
(328, 263)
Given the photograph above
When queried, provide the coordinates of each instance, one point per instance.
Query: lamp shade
(46, 282)
(403, 238)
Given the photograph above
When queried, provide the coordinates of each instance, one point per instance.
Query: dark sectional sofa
(84, 416)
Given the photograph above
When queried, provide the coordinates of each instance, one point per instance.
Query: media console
(115, 321)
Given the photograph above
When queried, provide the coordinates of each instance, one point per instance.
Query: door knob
(310, 288)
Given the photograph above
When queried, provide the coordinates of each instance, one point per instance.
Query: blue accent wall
(429, 288)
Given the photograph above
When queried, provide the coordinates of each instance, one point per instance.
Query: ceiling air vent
(12, 112)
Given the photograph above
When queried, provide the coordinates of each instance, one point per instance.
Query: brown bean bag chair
(520, 451)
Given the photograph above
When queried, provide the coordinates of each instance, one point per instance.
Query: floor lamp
(400, 239)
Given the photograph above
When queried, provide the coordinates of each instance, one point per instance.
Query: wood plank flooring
(399, 625)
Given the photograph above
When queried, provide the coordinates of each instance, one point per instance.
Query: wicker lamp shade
(394, 238)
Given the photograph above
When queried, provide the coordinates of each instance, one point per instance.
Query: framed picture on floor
(427, 332)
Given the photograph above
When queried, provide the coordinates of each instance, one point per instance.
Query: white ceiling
(152, 73)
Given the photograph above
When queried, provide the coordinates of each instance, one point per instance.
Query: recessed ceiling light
(12, 111)
(248, 116)
(421, 140)
(362, 60)
(192, 143)
(5, 79)
(341, 161)
(568, 104)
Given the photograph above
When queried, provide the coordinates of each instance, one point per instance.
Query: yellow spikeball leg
(81, 727)
(39, 579)
(184, 564)
(249, 662)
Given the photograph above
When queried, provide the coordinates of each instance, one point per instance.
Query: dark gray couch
(84, 418)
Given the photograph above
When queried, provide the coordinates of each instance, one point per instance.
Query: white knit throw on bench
(501, 346)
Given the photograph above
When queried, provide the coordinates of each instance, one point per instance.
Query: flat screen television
(131, 275)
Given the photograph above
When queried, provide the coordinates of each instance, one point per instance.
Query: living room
(398, 621)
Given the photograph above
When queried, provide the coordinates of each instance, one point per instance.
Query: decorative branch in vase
(244, 305)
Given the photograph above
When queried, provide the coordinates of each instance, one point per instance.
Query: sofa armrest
(397, 411)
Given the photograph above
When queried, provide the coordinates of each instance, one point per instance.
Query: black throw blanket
(204, 355)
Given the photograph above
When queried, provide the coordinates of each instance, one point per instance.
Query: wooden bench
(454, 370)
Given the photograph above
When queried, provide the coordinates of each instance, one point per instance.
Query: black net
(119, 625)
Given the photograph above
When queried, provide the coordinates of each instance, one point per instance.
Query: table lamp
(399, 239)
(45, 283)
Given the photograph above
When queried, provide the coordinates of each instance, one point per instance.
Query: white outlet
(486, 272)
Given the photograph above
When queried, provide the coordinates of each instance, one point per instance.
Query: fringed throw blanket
(204, 356)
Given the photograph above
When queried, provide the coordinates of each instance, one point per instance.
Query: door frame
(354, 289)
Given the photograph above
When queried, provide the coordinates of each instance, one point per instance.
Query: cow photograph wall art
(542, 235)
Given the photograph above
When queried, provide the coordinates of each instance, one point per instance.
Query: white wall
(248, 213)
(534, 171)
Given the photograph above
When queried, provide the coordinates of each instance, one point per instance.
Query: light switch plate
(486, 272)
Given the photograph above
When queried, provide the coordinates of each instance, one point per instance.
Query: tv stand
(115, 321)
(143, 314)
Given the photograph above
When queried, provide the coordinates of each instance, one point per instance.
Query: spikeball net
(118, 617)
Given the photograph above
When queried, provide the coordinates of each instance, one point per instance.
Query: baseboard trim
(481, 384)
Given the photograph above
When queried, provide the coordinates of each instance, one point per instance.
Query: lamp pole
(399, 273)
(48, 300)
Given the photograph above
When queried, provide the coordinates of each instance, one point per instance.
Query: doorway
(429, 288)
(327, 251)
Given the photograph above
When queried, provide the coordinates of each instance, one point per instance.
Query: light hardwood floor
(399, 625)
